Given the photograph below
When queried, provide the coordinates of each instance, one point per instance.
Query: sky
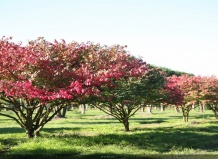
(178, 34)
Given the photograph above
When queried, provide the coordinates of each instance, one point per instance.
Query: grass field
(97, 135)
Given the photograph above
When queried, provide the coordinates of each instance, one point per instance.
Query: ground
(97, 135)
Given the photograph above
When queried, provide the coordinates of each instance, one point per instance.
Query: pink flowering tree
(209, 93)
(173, 95)
(184, 91)
(41, 78)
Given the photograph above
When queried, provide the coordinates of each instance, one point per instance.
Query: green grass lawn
(97, 135)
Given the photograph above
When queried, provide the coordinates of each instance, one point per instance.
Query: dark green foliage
(131, 94)
(153, 84)
(170, 72)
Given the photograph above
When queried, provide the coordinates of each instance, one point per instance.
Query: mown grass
(97, 135)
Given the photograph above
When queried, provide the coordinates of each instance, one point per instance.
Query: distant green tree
(170, 72)
(153, 84)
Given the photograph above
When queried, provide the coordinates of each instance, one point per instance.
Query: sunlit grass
(162, 133)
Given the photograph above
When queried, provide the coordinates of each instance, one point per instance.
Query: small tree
(187, 90)
(123, 101)
(209, 93)
(153, 83)
(128, 95)
(122, 98)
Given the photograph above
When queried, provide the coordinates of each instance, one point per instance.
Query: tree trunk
(177, 109)
(29, 133)
(29, 123)
(37, 133)
(214, 109)
(202, 107)
(215, 114)
(59, 113)
(110, 107)
(149, 109)
(126, 125)
(185, 118)
(193, 106)
(86, 106)
(62, 112)
(162, 108)
(69, 107)
(185, 112)
(34, 116)
(83, 108)
(143, 109)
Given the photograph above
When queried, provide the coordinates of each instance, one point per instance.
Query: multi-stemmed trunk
(120, 111)
(30, 133)
(62, 112)
(177, 109)
(31, 115)
(162, 108)
(185, 111)
(214, 108)
(201, 107)
(149, 109)
(82, 108)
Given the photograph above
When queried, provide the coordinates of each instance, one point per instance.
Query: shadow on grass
(14, 130)
(108, 156)
(176, 116)
(212, 122)
(197, 115)
(152, 122)
(94, 123)
(210, 129)
(203, 116)
(148, 119)
(161, 140)
(115, 121)
(11, 130)
(60, 129)
(7, 119)
(35, 155)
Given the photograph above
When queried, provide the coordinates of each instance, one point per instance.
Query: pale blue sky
(178, 34)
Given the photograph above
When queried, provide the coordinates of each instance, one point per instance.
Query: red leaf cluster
(50, 71)
(192, 89)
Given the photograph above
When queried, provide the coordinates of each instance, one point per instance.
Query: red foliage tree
(209, 93)
(41, 76)
(184, 92)
(173, 95)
